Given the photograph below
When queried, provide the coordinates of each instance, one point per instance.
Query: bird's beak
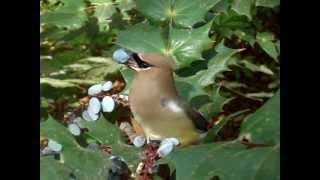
(132, 60)
(132, 63)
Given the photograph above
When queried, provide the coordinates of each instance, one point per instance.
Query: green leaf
(217, 64)
(187, 46)
(102, 68)
(155, 10)
(263, 127)
(108, 134)
(215, 107)
(51, 169)
(188, 87)
(265, 40)
(181, 12)
(268, 3)
(227, 160)
(242, 7)
(184, 46)
(186, 13)
(70, 15)
(85, 164)
(142, 38)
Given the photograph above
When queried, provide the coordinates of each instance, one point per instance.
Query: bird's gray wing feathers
(198, 120)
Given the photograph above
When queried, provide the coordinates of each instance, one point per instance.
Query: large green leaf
(265, 40)
(108, 134)
(70, 15)
(85, 164)
(227, 160)
(184, 46)
(243, 7)
(217, 64)
(142, 38)
(187, 46)
(51, 169)
(263, 127)
(181, 12)
(155, 10)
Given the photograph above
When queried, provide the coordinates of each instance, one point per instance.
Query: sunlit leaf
(181, 12)
(183, 45)
(265, 40)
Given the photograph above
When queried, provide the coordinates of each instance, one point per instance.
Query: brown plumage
(156, 105)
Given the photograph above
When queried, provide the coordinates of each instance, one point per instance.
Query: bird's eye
(140, 62)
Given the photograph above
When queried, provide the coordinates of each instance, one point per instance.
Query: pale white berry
(107, 104)
(93, 116)
(74, 129)
(121, 56)
(95, 89)
(174, 141)
(139, 141)
(85, 116)
(94, 106)
(54, 145)
(107, 86)
(165, 149)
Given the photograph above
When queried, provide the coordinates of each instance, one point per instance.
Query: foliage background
(227, 54)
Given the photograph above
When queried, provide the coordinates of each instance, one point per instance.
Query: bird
(155, 102)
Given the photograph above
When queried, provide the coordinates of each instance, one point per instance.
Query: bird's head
(143, 61)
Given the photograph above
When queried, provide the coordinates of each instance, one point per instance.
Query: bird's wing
(198, 120)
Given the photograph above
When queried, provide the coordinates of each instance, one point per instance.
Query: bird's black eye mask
(140, 63)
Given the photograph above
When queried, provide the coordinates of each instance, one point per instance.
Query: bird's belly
(159, 129)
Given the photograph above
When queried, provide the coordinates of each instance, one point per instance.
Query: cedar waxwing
(155, 103)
